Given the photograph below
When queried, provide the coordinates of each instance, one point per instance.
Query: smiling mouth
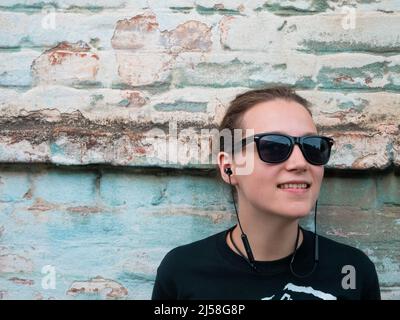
(292, 186)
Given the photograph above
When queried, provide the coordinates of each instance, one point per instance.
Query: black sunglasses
(276, 148)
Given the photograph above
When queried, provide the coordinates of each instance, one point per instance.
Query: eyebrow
(305, 134)
(245, 140)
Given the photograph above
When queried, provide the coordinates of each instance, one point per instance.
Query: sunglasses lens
(274, 148)
(317, 150)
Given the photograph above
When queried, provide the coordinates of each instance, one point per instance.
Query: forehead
(279, 116)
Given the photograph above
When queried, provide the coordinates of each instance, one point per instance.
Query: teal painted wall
(118, 224)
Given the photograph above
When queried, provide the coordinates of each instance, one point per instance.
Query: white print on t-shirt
(299, 289)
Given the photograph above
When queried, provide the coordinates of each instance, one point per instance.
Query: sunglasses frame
(293, 141)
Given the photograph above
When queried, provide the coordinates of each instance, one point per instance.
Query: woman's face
(260, 188)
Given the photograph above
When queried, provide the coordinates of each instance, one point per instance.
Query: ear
(225, 162)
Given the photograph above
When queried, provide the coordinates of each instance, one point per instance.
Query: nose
(296, 159)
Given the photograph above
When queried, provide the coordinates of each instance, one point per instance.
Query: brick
(293, 8)
(13, 263)
(343, 191)
(64, 99)
(15, 68)
(160, 193)
(389, 190)
(144, 53)
(144, 68)
(362, 226)
(202, 191)
(116, 190)
(77, 69)
(6, 96)
(30, 30)
(140, 31)
(266, 31)
(366, 230)
(25, 282)
(257, 32)
(67, 63)
(22, 151)
(98, 285)
(189, 36)
(357, 150)
(358, 71)
(289, 8)
(365, 134)
(169, 3)
(396, 151)
(14, 186)
(365, 111)
(331, 36)
(390, 293)
(64, 4)
(252, 70)
(229, 6)
(65, 188)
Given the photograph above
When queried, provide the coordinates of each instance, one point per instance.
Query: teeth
(291, 186)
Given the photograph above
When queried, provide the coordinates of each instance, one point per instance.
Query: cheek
(318, 175)
(262, 182)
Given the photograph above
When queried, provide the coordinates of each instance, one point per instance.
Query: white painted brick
(257, 32)
(23, 29)
(366, 6)
(15, 67)
(359, 151)
(234, 68)
(390, 293)
(331, 35)
(66, 100)
(64, 4)
(23, 151)
(373, 111)
(66, 64)
(239, 5)
(148, 55)
(358, 71)
(7, 96)
(310, 6)
(260, 32)
(144, 68)
(369, 145)
(154, 4)
(27, 29)
(376, 112)
(396, 150)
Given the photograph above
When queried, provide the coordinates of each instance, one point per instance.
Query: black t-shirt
(210, 269)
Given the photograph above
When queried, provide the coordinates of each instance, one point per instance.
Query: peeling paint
(77, 58)
(189, 36)
(182, 106)
(25, 282)
(13, 263)
(99, 286)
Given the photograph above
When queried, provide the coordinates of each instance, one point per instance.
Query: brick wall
(96, 97)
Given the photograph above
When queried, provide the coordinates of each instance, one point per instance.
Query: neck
(271, 237)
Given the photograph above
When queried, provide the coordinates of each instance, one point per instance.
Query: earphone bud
(228, 171)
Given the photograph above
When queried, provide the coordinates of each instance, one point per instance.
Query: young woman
(267, 255)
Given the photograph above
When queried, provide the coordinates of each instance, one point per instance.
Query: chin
(294, 215)
(296, 212)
